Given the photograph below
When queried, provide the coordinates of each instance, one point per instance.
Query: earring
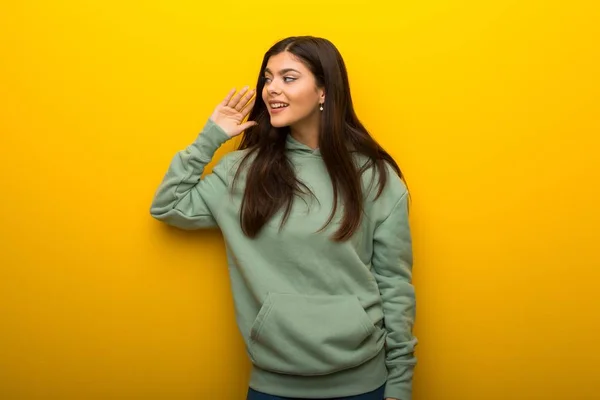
(321, 108)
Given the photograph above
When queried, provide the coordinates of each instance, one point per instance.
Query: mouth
(276, 106)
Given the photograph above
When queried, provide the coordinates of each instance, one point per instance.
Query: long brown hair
(271, 182)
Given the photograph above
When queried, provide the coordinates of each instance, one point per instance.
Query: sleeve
(392, 267)
(184, 199)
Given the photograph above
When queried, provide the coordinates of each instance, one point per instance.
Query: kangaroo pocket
(312, 335)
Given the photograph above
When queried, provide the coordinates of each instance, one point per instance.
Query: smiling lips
(277, 106)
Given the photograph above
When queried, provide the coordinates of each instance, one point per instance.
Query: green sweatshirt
(320, 319)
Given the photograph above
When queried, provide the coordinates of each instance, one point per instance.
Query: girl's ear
(322, 95)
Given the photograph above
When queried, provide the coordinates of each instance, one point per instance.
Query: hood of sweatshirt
(296, 147)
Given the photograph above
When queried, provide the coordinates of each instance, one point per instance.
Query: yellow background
(491, 109)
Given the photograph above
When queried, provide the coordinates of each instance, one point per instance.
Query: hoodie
(319, 319)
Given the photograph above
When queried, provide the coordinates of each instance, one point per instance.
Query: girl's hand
(230, 113)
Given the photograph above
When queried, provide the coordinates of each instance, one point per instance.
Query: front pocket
(312, 335)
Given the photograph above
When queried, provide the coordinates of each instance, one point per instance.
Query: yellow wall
(492, 110)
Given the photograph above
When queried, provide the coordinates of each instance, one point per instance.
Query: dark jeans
(374, 395)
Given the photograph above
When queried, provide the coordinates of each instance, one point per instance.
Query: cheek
(305, 99)
(264, 94)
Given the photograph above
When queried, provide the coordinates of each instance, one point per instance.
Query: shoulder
(395, 187)
(394, 191)
(230, 163)
(234, 159)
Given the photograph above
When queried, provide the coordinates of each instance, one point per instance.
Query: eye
(266, 79)
(289, 79)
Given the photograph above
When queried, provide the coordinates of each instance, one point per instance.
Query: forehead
(283, 61)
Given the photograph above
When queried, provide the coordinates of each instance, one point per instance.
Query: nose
(273, 88)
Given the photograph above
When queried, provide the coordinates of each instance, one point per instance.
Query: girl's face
(290, 92)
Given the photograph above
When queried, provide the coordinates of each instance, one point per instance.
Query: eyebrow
(283, 71)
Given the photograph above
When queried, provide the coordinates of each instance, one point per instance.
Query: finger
(228, 97)
(248, 108)
(236, 98)
(244, 100)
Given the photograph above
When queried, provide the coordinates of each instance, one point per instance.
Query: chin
(279, 122)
